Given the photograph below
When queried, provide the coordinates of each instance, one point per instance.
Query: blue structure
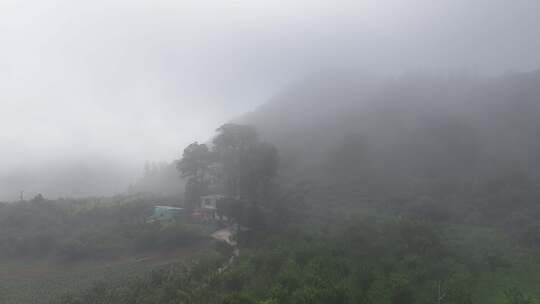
(166, 212)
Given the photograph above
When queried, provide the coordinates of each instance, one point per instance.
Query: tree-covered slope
(464, 148)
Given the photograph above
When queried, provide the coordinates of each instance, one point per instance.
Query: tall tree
(247, 164)
(238, 163)
(194, 166)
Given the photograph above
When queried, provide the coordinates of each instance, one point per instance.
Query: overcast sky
(129, 81)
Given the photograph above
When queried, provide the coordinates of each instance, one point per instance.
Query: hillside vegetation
(365, 260)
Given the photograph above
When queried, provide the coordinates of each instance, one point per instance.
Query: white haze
(108, 84)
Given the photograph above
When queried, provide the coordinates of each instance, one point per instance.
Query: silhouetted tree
(194, 166)
(247, 164)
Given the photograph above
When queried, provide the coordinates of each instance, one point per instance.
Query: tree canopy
(237, 164)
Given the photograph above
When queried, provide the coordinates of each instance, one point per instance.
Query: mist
(269, 151)
(103, 86)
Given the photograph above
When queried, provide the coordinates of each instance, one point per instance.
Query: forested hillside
(418, 126)
(456, 147)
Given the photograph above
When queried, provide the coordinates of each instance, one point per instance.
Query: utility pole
(21, 195)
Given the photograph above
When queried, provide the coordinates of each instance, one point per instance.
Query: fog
(103, 86)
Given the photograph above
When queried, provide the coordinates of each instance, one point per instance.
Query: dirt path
(226, 235)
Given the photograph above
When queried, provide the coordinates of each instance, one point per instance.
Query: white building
(209, 202)
(208, 207)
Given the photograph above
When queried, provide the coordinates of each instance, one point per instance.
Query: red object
(199, 215)
(196, 215)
